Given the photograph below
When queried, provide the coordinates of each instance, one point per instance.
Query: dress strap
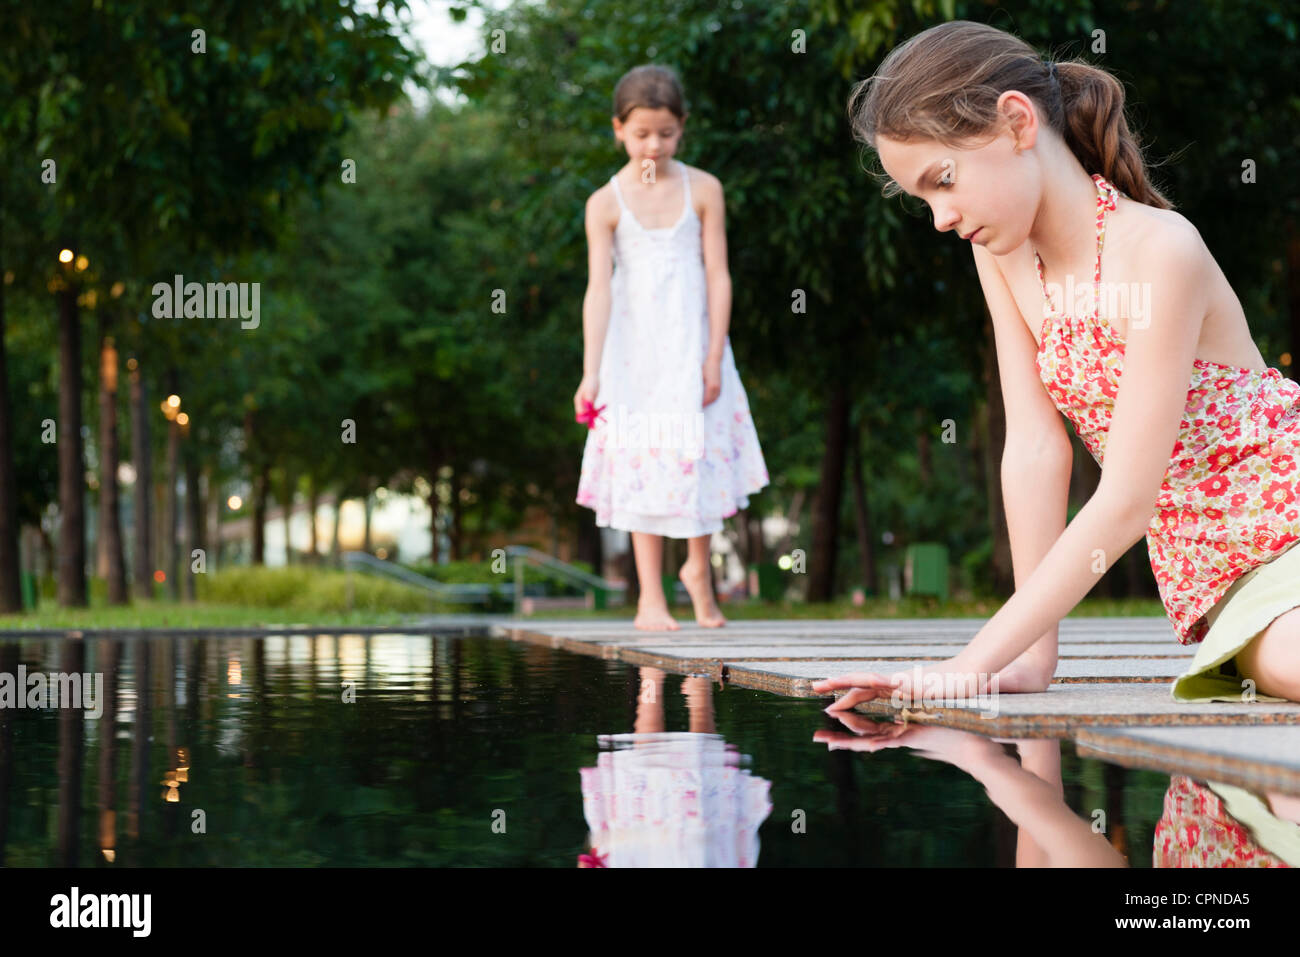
(686, 180)
(618, 192)
(1106, 200)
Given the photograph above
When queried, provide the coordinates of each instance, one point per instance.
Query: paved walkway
(1110, 695)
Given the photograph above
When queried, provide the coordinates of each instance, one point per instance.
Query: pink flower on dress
(1214, 485)
(1223, 457)
(1279, 495)
(1283, 464)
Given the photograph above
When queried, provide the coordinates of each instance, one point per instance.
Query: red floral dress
(1196, 831)
(1230, 500)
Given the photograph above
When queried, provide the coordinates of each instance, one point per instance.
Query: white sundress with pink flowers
(658, 460)
(673, 800)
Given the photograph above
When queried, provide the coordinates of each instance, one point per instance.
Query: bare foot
(654, 618)
(1021, 677)
(696, 578)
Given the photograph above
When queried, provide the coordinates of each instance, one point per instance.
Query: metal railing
(521, 556)
(596, 587)
(458, 594)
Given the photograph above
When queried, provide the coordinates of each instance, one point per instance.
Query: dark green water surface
(434, 750)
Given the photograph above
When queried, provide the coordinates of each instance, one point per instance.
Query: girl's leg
(651, 608)
(1272, 659)
(697, 576)
(650, 702)
(699, 705)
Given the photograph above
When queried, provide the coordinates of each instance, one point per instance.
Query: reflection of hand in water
(1051, 834)
(958, 748)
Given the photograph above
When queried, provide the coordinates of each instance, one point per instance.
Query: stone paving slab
(1092, 629)
(1254, 758)
(695, 654)
(715, 636)
(791, 651)
(1107, 623)
(1065, 709)
(1068, 670)
(1113, 676)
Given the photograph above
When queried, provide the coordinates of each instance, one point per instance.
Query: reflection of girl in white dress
(673, 450)
(672, 799)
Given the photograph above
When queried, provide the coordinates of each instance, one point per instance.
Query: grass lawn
(161, 614)
(252, 596)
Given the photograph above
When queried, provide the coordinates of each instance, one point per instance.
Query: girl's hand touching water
(586, 393)
(712, 379)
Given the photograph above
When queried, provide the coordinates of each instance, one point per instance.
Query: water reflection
(1195, 830)
(683, 799)
(451, 751)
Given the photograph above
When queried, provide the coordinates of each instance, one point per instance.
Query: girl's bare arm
(596, 302)
(1037, 457)
(716, 271)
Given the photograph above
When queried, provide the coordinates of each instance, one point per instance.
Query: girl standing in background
(672, 450)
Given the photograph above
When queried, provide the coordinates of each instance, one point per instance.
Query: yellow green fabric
(1245, 609)
(1276, 835)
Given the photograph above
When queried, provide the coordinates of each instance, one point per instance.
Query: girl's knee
(1272, 659)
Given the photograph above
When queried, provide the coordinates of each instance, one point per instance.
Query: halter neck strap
(1106, 197)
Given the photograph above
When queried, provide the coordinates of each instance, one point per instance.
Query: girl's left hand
(712, 380)
(909, 682)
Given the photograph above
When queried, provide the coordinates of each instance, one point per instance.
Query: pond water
(441, 750)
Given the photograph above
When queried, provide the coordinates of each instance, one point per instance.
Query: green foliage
(228, 166)
(307, 589)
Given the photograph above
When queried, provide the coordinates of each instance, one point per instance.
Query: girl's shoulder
(702, 177)
(1144, 225)
(603, 204)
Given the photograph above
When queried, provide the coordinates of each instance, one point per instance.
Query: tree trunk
(110, 522)
(334, 535)
(193, 519)
(370, 504)
(171, 502)
(261, 492)
(923, 447)
(11, 599)
(313, 502)
(142, 459)
(866, 538)
(826, 507)
(590, 547)
(289, 482)
(72, 514)
(453, 536)
(212, 506)
(434, 548)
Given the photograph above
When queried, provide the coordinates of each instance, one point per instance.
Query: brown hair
(651, 86)
(943, 84)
